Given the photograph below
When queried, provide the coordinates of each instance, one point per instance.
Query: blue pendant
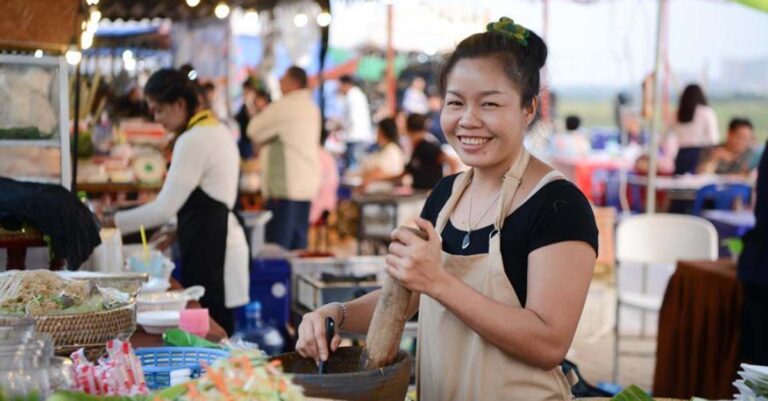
(465, 241)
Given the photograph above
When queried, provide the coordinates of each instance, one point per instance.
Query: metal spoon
(330, 331)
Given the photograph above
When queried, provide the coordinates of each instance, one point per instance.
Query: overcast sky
(605, 43)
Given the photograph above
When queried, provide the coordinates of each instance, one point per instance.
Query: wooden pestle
(388, 322)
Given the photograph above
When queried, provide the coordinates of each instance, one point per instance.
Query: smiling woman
(502, 276)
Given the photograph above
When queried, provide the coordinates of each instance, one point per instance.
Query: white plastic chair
(657, 239)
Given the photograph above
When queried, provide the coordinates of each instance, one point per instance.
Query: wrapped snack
(119, 373)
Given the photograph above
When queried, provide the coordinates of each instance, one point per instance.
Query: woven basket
(89, 330)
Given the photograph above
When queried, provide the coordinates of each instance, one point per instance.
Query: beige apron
(454, 362)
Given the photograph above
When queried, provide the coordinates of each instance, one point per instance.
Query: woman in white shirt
(200, 190)
(696, 129)
(386, 165)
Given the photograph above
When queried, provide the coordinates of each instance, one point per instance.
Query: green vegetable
(632, 393)
(168, 394)
(181, 338)
(32, 396)
(21, 133)
(760, 389)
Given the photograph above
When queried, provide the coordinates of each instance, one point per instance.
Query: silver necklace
(466, 241)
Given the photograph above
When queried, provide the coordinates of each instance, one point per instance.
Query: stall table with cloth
(141, 338)
(699, 331)
(679, 187)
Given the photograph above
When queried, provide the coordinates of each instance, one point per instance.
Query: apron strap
(459, 187)
(509, 185)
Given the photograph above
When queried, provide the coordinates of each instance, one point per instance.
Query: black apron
(202, 236)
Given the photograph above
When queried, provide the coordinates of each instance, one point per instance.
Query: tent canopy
(758, 4)
(50, 25)
(173, 9)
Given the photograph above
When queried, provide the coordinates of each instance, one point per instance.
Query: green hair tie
(508, 27)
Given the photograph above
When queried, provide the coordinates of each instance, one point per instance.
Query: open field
(600, 112)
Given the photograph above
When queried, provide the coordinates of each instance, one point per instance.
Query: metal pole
(653, 150)
(545, 111)
(76, 131)
(391, 83)
(325, 34)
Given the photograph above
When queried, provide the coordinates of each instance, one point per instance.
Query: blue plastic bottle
(256, 331)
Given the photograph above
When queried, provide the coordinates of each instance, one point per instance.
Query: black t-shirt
(425, 166)
(557, 212)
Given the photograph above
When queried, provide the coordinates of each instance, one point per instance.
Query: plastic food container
(168, 301)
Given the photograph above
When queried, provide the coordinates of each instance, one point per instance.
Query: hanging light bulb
(95, 15)
(300, 20)
(73, 55)
(193, 3)
(324, 19)
(38, 53)
(86, 40)
(221, 10)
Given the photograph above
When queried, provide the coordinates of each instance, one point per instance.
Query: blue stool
(722, 196)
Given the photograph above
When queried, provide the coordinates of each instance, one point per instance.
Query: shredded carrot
(247, 366)
(218, 381)
(276, 363)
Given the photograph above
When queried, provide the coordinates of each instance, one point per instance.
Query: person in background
(427, 159)
(388, 163)
(208, 95)
(200, 190)
(753, 274)
(255, 99)
(735, 155)
(414, 99)
(131, 104)
(327, 194)
(620, 106)
(502, 277)
(695, 129)
(287, 132)
(435, 104)
(572, 142)
(356, 130)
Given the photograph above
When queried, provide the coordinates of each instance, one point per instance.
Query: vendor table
(699, 331)
(141, 338)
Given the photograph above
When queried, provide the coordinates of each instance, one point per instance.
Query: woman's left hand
(414, 262)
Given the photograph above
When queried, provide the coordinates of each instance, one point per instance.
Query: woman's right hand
(312, 342)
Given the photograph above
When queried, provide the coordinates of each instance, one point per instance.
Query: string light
(193, 3)
(221, 10)
(324, 19)
(73, 55)
(38, 53)
(300, 20)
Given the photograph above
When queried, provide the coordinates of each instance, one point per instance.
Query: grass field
(600, 113)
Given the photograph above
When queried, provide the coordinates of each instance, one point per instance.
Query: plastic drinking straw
(144, 243)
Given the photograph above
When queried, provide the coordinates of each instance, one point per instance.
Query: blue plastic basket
(159, 362)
